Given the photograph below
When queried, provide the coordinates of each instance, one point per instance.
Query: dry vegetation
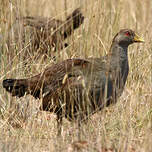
(126, 126)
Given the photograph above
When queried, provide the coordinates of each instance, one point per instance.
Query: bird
(40, 37)
(49, 32)
(77, 88)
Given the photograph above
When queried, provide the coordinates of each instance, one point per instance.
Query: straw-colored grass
(125, 126)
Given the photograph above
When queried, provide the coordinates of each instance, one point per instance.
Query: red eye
(127, 34)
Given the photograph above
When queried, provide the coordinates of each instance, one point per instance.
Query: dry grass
(126, 126)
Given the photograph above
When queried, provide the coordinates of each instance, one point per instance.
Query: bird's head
(126, 37)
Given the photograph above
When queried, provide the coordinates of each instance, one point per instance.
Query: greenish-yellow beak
(138, 38)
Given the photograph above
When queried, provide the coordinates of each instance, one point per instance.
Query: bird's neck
(119, 52)
(119, 60)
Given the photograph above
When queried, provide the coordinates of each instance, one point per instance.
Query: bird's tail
(17, 87)
(76, 17)
(73, 21)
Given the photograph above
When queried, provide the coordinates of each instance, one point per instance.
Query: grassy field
(123, 127)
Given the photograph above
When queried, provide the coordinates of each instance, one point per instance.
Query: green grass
(125, 126)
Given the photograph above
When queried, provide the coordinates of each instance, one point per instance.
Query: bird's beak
(138, 38)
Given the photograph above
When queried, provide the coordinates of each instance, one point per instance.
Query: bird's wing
(69, 72)
(74, 73)
(41, 22)
(56, 75)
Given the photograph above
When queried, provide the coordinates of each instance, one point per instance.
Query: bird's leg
(59, 124)
(81, 122)
(79, 130)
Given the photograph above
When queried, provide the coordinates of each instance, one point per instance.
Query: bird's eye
(127, 33)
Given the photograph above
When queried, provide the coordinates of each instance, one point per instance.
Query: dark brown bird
(77, 88)
(50, 32)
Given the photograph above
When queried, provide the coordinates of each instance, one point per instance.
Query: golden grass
(125, 126)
